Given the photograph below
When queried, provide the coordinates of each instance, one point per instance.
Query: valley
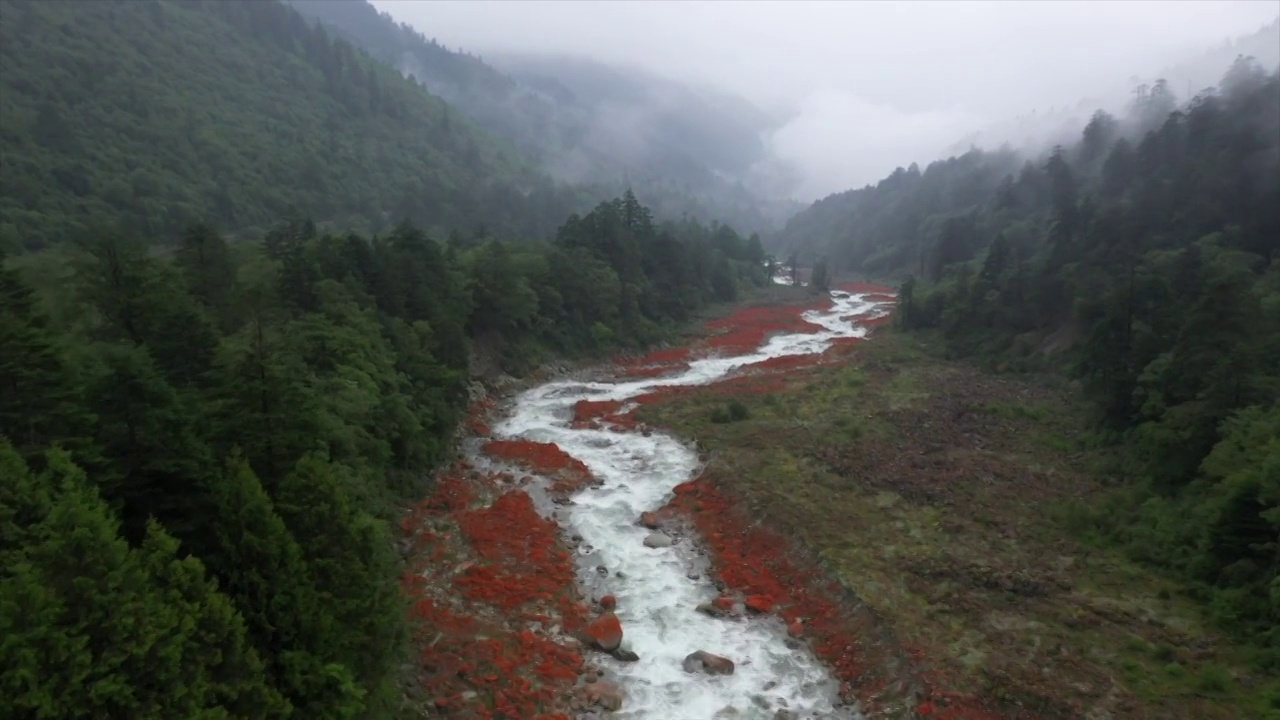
(347, 373)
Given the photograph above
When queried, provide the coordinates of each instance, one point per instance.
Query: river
(658, 589)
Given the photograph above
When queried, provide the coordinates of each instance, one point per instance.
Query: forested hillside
(157, 114)
(1145, 258)
(600, 128)
(202, 453)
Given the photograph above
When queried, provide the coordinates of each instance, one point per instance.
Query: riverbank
(500, 626)
(934, 499)
(905, 516)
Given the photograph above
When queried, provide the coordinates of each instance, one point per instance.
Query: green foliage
(1146, 258)
(248, 416)
(556, 113)
(155, 115)
(732, 411)
(95, 628)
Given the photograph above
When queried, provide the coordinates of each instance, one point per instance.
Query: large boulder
(605, 632)
(659, 540)
(649, 520)
(705, 662)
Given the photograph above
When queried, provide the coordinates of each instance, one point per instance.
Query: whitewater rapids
(654, 587)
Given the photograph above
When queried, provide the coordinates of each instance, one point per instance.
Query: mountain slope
(1148, 266)
(156, 114)
(681, 149)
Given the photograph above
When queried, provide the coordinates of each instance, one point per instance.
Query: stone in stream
(625, 655)
(605, 632)
(649, 520)
(602, 693)
(712, 610)
(705, 662)
(659, 540)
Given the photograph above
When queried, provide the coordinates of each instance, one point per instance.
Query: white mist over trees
(866, 87)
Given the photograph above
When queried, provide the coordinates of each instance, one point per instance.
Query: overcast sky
(875, 84)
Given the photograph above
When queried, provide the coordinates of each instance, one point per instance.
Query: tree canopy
(1145, 259)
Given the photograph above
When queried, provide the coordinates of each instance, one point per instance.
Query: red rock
(705, 662)
(759, 603)
(605, 631)
(795, 629)
(723, 602)
(608, 602)
(649, 520)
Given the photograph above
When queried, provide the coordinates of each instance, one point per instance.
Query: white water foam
(656, 595)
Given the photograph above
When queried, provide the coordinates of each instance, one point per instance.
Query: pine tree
(263, 570)
(349, 555)
(42, 401)
(93, 628)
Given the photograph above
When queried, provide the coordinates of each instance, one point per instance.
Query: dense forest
(214, 441)
(153, 115)
(603, 129)
(1145, 259)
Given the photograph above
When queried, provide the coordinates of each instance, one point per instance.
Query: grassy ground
(941, 495)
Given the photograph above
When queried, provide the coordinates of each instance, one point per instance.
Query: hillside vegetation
(1144, 260)
(152, 115)
(600, 128)
(203, 453)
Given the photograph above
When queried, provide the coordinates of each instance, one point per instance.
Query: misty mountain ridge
(1038, 130)
(684, 150)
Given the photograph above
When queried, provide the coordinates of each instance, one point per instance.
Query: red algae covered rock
(586, 410)
(747, 328)
(649, 520)
(753, 559)
(475, 658)
(525, 562)
(605, 631)
(568, 473)
(539, 456)
(608, 602)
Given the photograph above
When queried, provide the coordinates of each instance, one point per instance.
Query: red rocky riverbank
(504, 632)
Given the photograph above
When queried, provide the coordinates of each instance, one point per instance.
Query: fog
(862, 87)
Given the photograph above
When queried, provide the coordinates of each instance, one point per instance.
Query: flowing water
(655, 587)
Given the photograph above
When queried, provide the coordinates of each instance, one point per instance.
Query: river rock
(603, 693)
(759, 603)
(712, 610)
(705, 662)
(625, 655)
(649, 520)
(609, 602)
(605, 631)
(659, 540)
(796, 629)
